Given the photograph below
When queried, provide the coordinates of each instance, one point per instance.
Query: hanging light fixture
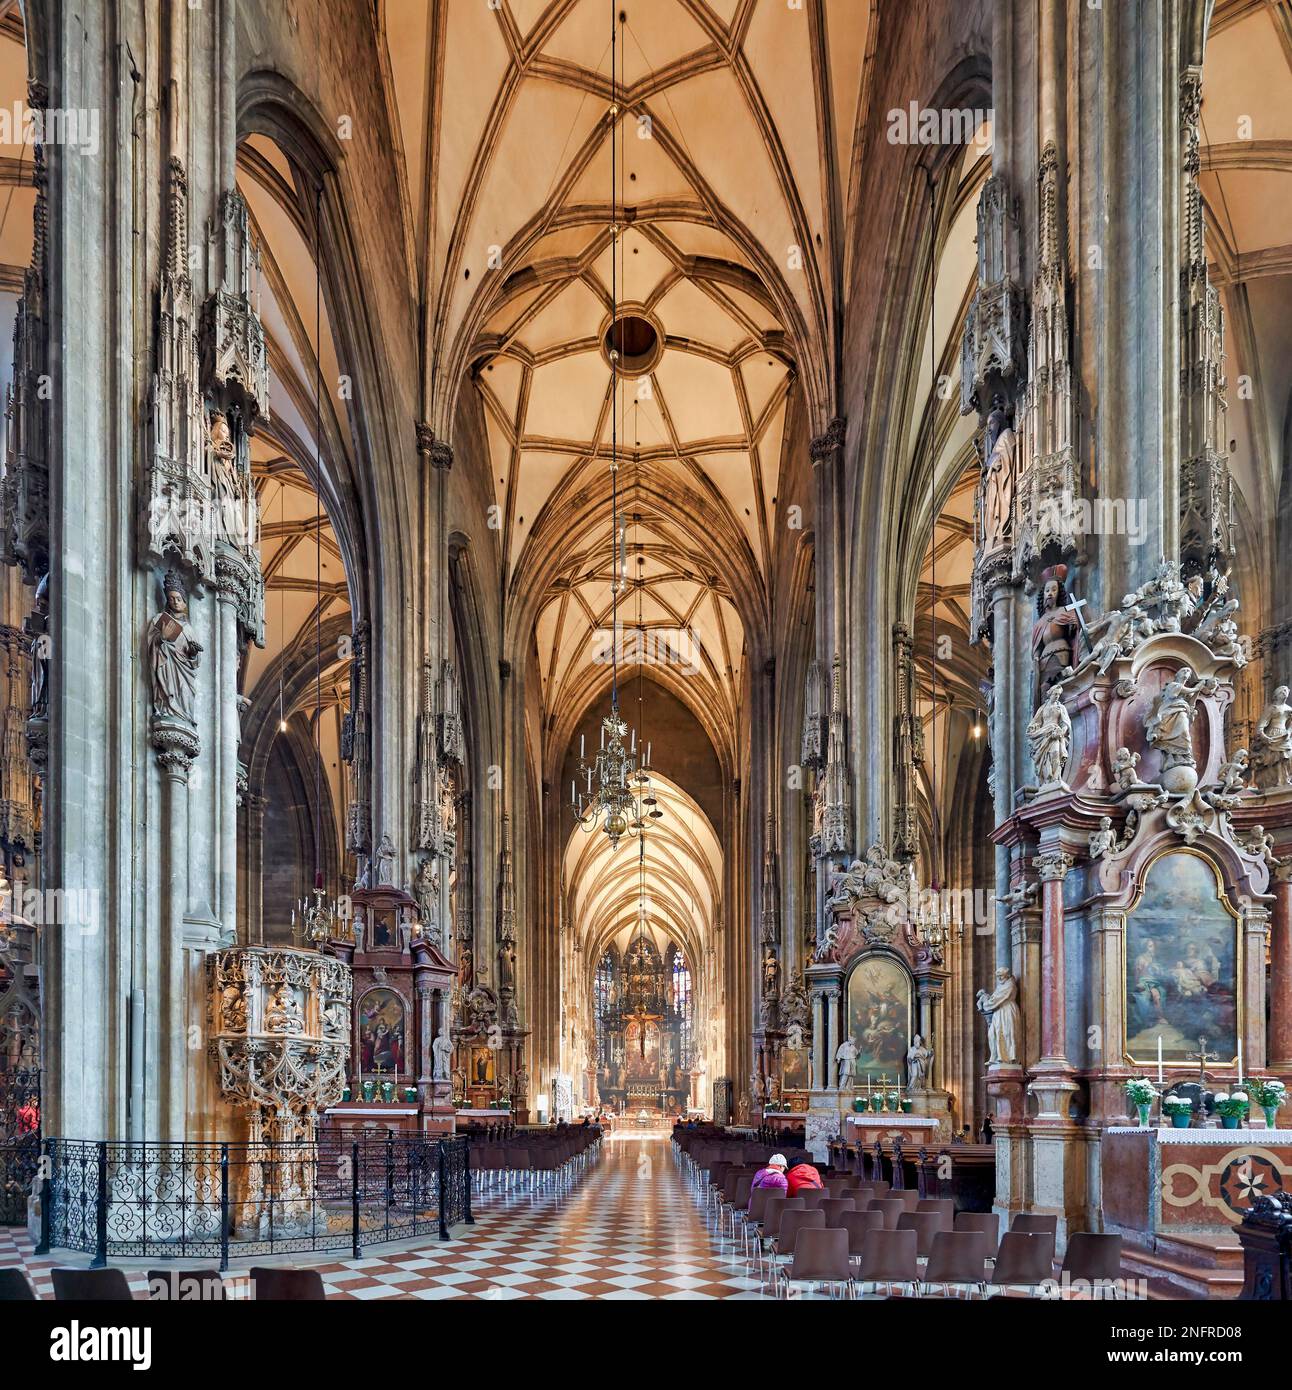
(610, 798)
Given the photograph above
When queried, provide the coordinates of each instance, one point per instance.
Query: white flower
(1239, 1095)
(1219, 1096)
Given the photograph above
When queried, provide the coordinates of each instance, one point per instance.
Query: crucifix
(1075, 605)
(1202, 1057)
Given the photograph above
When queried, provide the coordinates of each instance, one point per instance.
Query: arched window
(603, 1000)
(680, 998)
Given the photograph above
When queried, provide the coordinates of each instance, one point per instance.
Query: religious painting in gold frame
(1182, 965)
(879, 1015)
(482, 1067)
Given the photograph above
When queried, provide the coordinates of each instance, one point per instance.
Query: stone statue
(771, 973)
(226, 487)
(282, 1012)
(38, 627)
(846, 1056)
(1104, 840)
(426, 889)
(1169, 728)
(173, 654)
(756, 1092)
(919, 1058)
(442, 1058)
(384, 863)
(998, 478)
(1054, 633)
(1049, 735)
(1233, 774)
(1124, 764)
(520, 1086)
(506, 966)
(1272, 763)
(1001, 1009)
(233, 1009)
(1260, 843)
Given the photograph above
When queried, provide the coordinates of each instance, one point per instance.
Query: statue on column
(226, 486)
(1272, 761)
(1054, 633)
(919, 1059)
(846, 1057)
(771, 974)
(38, 627)
(174, 654)
(384, 863)
(1049, 736)
(442, 1054)
(1001, 1009)
(426, 889)
(997, 478)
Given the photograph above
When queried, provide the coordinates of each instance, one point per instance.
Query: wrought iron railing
(217, 1201)
(19, 1142)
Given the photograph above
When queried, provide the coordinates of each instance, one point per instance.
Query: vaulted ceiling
(734, 264)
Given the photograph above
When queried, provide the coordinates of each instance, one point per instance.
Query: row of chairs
(895, 1237)
(535, 1162)
(189, 1285)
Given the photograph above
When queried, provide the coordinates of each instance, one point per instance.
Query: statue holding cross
(1054, 633)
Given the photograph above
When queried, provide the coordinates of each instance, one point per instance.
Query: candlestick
(867, 1085)
(1240, 1061)
(1159, 1059)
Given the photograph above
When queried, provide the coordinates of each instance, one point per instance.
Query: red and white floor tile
(631, 1229)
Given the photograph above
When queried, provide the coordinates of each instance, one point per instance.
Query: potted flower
(1180, 1111)
(410, 1094)
(1232, 1108)
(345, 1095)
(907, 1106)
(894, 1103)
(388, 1091)
(1141, 1093)
(859, 1103)
(366, 1088)
(1269, 1094)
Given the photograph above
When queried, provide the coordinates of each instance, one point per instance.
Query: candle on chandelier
(580, 747)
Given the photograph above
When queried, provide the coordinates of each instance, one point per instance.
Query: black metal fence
(212, 1201)
(19, 1142)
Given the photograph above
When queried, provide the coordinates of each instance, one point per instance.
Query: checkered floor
(631, 1229)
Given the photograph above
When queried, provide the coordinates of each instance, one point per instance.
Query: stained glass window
(681, 1000)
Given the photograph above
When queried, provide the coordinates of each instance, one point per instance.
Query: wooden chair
(185, 1285)
(1024, 1260)
(287, 1285)
(833, 1209)
(820, 1257)
(91, 1286)
(926, 1225)
(889, 1257)
(1033, 1223)
(15, 1287)
(890, 1208)
(813, 1197)
(985, 1222)
(943, 1206)
(958, 1259)
(792, 1222)
(1095, 1259)
(860, 1225)
(753, 1216)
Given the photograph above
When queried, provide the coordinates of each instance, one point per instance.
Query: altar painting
(1181, 965)
(381, 1031)
(794, 1069)
(641, 1052)
(879, 1016)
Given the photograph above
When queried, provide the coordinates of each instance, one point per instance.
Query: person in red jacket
(803, 1177)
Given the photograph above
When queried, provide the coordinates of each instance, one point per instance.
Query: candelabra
(320, 920)
(618, 796)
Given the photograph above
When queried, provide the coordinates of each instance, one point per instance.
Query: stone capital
(830, 442)
(437, 452)
(1052, 865)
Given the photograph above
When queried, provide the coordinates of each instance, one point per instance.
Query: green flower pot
(366, 1090)
(906, 1107)
(1271, 1114)
(859, 1103)
(345, 1095)
(1142, 1112)
(1229, 1121)
(388, 1091)
(1180, 1119)
(410, 1094)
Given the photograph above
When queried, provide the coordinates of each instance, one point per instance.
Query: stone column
(1052, 866)
(253, 865)
(1255, 926)
(819, 1065)
(832, 1037)
(1279, 1056)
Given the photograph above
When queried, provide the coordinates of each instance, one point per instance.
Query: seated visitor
(773, 1175)
(802, 1177)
